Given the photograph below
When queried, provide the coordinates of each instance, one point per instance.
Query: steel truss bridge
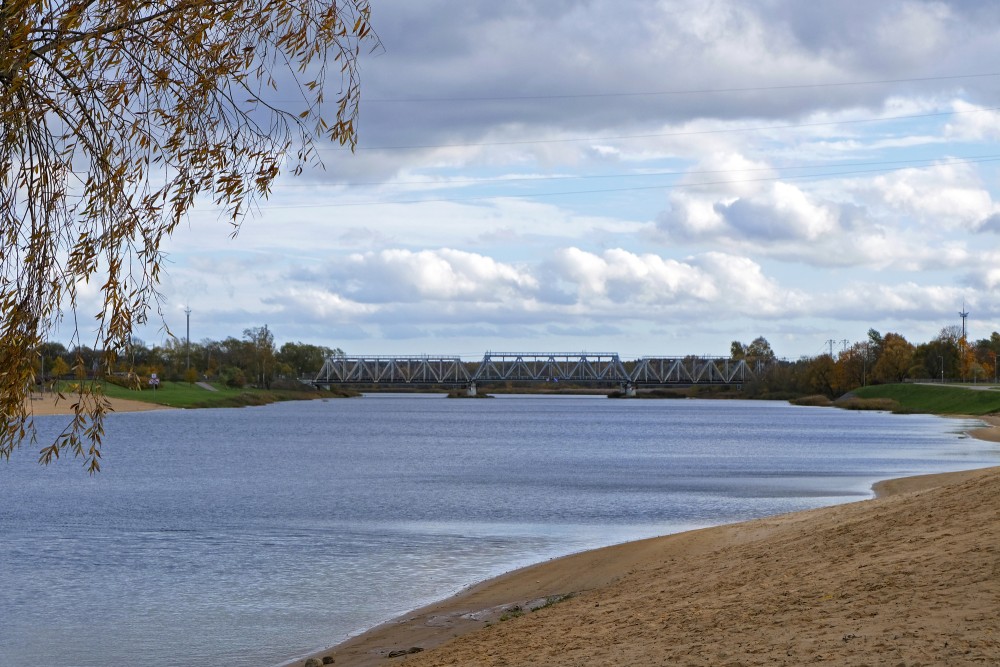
(576, 368)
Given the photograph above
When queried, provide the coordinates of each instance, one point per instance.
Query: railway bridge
(593, 368)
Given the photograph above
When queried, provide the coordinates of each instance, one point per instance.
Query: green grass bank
(923, 398)
(185, 395)
(900, 398)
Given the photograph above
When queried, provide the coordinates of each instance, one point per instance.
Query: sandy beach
(51, 404)
(909, 578)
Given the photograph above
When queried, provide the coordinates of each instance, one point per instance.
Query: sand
(51, 404)
(989, 432)
(909, 578)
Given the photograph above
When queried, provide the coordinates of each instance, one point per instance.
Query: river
(245, 537)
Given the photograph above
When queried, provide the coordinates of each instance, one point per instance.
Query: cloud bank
(653, 177)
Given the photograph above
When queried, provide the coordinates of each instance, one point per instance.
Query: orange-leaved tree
(116, 117)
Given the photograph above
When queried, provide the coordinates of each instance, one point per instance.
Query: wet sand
(909, 578)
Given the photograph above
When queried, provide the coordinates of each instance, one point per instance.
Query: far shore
(990, 432)
(910, 577)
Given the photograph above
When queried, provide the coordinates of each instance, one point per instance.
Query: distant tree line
(253, 360)
(879, 359)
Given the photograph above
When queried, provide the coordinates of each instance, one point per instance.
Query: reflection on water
(246, 536)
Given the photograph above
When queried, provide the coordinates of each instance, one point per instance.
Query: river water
(245, 537)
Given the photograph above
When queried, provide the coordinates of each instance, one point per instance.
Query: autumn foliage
(116, 118)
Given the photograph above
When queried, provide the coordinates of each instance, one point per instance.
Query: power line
(660, 135)
(691, 91)
(943, 160)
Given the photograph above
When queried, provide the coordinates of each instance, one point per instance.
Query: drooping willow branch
(116, 116)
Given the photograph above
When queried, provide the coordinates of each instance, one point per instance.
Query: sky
(652, 178)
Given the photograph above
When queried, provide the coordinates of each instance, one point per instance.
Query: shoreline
(499, 621)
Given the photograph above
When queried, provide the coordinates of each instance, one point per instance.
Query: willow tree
(116, 118)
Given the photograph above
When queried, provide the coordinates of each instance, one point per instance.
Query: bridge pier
(471, 389)
(629, 390)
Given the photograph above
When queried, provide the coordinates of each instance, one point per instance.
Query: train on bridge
(586, 368)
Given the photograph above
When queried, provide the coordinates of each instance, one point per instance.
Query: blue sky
(631, 176)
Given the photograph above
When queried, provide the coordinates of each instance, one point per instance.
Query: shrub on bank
(816, 400)
(878, 404)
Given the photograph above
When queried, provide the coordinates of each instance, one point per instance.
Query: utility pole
(963, 314)
(864, 366)
(187, 345)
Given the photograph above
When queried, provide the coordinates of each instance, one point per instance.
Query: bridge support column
(630, 390)
(471, 389)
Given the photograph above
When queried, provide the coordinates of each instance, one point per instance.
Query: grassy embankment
(184, 395)
(899, 398)
(920, 398)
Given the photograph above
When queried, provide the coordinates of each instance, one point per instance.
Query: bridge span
(593, 368)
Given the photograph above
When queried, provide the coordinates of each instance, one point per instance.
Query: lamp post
(941, 357)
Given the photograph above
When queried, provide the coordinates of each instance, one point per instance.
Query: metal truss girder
(689, 370)
(542, 367)
(394, 370)
(534, 367)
